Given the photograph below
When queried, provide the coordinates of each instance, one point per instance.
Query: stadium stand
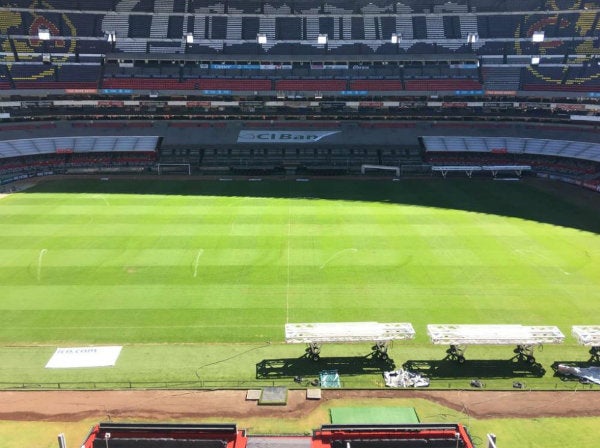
(510, 145)
(574, 162)
(431, 58)
(431, 34)
(45, 156)
(386, 60)
(165, 435)
(131, 435)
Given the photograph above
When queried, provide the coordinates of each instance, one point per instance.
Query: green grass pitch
(222, 265)
(137, 262)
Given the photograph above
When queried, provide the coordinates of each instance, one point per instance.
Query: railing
(348, 383)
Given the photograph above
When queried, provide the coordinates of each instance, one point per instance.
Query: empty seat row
(442, 84)
(188, 84)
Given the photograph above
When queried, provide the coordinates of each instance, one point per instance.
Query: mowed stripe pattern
(232, 262)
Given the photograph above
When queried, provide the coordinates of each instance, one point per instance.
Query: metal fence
(189, 385)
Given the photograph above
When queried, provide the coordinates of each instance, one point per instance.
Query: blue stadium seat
(139, 26)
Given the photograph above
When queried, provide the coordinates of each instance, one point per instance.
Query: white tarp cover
(73, 357)
(589, 373)
(404, 378)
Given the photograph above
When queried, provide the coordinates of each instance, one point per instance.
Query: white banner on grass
(68, 358)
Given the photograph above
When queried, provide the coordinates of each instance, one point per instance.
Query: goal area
(395, 169)
(174, 168)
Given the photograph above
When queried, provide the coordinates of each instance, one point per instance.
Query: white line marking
(542, 256)
(198, 255)
(338, 253)
(101, 196)
(202, 325)
(39, 267)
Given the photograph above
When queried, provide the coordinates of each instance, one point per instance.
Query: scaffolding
(315, 334)
(589, 336)
(524, 337)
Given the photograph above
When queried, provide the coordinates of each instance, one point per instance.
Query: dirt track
(165, 405)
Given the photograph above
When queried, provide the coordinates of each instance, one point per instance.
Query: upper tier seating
(502, 78)
(586, 76)
(319, 85)
(366, 32)
(188, 84)
(442, 84)
(78, 73)
(386, 85)
(5, 83)
(361, 27)
(288, 28)
(544, 78)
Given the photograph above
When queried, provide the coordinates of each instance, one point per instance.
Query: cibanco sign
(269, 136)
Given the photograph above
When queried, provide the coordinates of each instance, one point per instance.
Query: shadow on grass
(488, 368)
(514, 199)
(305, 367)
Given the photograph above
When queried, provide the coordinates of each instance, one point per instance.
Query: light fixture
(189, 38)
(535, 60)
(396, 38)
(111, 36)
(322, 39)
(538, 36)
(44, 34)
(472, 38)
(261, 38)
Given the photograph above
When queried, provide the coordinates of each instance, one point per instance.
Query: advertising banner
(81, 91)
(74, 357)
(270, 136)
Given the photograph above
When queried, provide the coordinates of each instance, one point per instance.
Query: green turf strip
(373, 415)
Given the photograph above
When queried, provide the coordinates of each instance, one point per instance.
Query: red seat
(442, 84)
(54, 85)
(188, 84)
(235, 84)
(561, 88)
(321, 85)
(374, 85)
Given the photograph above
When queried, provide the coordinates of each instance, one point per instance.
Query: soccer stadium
(299, 223)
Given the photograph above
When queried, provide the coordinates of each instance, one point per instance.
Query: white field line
(101, 196)
(540, 255)
(39, 266)
(337, 254)
(198, 255)
(102, 327)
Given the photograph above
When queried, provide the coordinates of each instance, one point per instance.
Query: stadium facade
(299, 86)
